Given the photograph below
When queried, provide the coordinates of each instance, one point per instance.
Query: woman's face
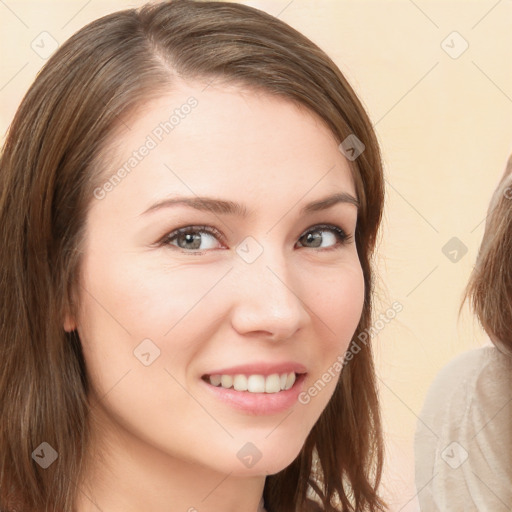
(262, 281)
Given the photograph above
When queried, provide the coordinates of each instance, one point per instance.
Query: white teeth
(290, 381)
(273, 383)
(226, 381)
(240, 383)
(255, 383)
(215, 380)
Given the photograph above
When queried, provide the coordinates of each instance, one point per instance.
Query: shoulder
(471, 361)
(462, 430)
(468, 377)
(473, 386)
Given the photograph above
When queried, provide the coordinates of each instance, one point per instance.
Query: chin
(270, 458)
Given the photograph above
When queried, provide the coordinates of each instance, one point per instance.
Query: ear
(69, 323)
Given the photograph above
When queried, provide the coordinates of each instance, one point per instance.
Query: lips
(264, 388)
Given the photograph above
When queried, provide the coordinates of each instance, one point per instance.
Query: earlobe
(69, 323)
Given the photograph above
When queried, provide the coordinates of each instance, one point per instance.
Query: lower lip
(259, 403)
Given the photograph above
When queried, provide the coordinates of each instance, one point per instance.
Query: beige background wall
(445, 125)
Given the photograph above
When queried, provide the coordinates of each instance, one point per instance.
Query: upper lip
(261, 369)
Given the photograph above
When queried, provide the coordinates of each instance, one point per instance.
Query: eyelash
(343, 237)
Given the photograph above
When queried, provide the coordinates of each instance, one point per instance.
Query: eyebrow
(222, 206)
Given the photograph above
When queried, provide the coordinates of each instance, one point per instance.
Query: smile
(259, 388)
(273, 383)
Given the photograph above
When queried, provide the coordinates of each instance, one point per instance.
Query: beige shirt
(463, 443)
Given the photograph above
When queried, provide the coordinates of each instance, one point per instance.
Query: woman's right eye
(192, 238)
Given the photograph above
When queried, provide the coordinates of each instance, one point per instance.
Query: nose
(267, 298)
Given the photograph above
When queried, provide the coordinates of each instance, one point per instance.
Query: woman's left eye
(337, 235)
(201, 238)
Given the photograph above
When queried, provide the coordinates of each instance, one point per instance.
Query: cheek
(150, 299)
(339, 310)
(163, 312)
(124, 303)
(340, 306)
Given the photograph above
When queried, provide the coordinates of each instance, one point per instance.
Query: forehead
(202, 139)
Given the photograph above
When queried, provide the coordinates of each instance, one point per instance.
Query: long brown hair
(50, 166)
(489, 290)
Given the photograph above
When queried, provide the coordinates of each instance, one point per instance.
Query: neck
(125, 474)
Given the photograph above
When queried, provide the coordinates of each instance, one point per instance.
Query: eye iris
(189, 237)
(314, 236)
